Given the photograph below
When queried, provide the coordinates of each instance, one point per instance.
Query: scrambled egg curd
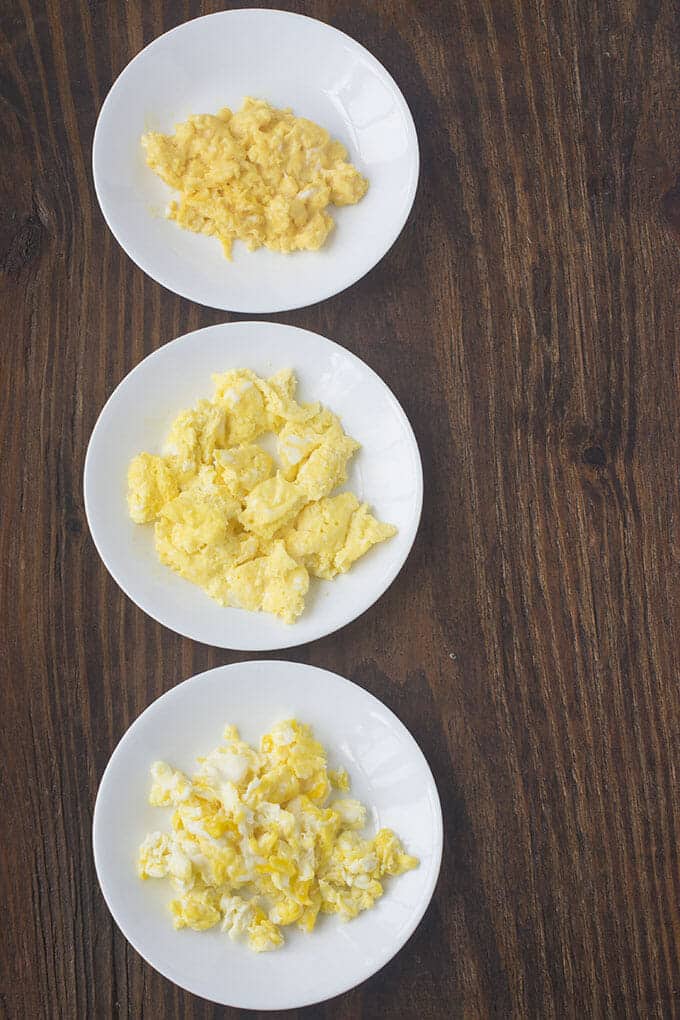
(256, 845)
(228, 519)
(260, 175)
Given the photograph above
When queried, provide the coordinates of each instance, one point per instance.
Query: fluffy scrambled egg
(256, 845)
(260, 175)
(227, 518)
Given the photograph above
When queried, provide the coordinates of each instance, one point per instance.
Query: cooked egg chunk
(151, 484)
(271, 505)
(228, 519)
(260, 175)
(315, 453)
(331, 534)
(274, 583)
(242, 468)
(255, 844)
(192, 436)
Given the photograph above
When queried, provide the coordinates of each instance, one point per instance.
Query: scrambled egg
(227, 518)
(256, 845)
(260, 175)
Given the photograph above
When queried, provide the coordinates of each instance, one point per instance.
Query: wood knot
(601, 190)
(594, 456)
(74, 524)
(588, 443)
(23, 246)
(670, 208)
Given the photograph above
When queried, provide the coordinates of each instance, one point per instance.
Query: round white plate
(388, 773)
(385, 473)
(291, 61)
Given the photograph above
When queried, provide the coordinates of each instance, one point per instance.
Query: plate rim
(286, 643)
(438, 847)
(261, 308)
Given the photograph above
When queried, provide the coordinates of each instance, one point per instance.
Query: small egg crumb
(256, 844)
(262, 176)
(229, 518)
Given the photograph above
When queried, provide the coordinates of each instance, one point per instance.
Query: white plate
(386, 473)
(289, 60)
(388, 773)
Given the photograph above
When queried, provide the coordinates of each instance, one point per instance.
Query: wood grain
(528, 320)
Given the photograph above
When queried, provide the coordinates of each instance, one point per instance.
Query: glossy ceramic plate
(385, 473)
(291, 61)
(388, 773)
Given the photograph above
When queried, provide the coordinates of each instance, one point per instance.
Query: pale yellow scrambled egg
(257, 845)
(227, 518)
(260, 175)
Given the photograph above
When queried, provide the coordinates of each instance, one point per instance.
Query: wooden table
(527, 319)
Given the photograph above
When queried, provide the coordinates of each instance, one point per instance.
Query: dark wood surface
(527, 320)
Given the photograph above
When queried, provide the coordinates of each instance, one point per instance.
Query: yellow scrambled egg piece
(329, 535)
(258, 842)
(227, 518)
(314, 453)
(151, 484)
(260, 175)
